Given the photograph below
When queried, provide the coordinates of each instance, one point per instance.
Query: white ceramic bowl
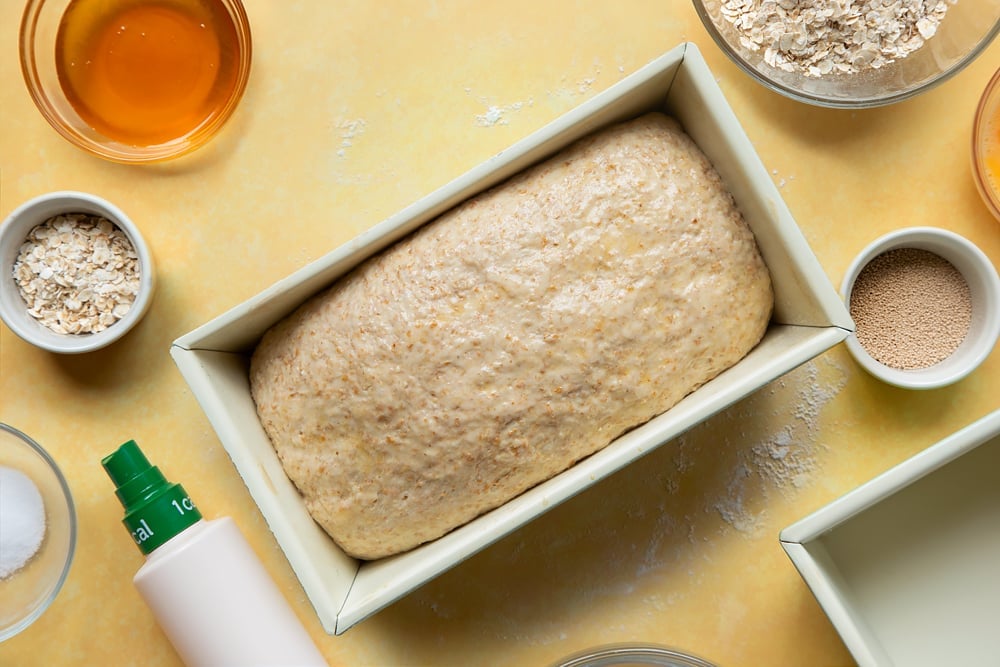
(984, 286)
(27, 592)
(13, 310)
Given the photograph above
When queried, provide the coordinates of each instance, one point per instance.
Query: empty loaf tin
(808, 319)
(907, 566)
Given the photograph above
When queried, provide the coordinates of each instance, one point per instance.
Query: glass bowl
(98, 86)
(632, 655)
(27, 591)
(984, 292)
(986, 145)
(14, 310)
(966, 29)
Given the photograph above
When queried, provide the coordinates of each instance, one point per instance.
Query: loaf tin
(907, 566)
(809, 318)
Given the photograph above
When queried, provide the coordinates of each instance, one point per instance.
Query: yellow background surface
(354, 110)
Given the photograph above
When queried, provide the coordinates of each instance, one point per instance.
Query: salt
(22, 520)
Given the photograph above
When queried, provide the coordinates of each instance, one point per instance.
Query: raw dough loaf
(521, 331)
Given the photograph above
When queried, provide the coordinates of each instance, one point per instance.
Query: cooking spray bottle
(204, 583)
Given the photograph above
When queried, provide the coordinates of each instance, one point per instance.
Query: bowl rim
(947, 244)
(120, 152)
(608, 655)
(836, 103)
(44, 604)
(991, 93)
(33, 212)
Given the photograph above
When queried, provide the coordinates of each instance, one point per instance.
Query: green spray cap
(155, 509)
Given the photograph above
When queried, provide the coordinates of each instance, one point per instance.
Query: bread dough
(519, 332)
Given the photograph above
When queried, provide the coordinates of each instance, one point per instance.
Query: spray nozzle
(155, 509)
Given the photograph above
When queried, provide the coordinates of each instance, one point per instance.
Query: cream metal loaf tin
(907, 566)
(809, 318)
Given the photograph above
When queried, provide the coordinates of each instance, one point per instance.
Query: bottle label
(161, 518)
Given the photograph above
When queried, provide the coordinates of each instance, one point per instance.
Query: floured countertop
(354, 111)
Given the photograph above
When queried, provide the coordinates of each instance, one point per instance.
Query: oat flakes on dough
(520, 332)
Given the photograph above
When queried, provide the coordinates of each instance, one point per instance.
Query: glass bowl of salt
(37, 531)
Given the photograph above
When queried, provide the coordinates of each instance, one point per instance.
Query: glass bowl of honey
(986, 145)
(136, 80)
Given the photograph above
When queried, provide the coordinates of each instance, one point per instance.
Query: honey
(986, 146)
(991, 149)
(146, 72)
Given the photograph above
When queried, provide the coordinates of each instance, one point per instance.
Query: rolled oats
(77, 273)
(821, 37)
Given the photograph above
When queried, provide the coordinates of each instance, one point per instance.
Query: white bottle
(209, 592)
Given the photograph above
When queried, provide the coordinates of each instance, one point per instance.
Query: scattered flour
(498, 115)
(733, 506)
(778, 444)
(585, 84)
(781, 180)
(349, 130)
(578, 88)
(567, 89)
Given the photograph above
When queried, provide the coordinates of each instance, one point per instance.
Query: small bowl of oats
(852, 54)
(75, 273)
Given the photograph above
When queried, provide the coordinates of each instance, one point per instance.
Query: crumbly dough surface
(519, 332)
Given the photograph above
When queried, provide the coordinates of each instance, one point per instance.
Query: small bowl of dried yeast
(76, 273)
(926, 307)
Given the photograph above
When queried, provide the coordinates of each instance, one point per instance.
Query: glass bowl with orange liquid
(986, 145)
(136, 80)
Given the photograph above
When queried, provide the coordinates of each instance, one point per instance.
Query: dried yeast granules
(911, 308)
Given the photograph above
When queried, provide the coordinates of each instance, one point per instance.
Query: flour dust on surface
(568, 90)
(349, 130)
(675, 521)
(770, 442)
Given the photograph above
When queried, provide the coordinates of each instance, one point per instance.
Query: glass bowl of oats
(851, 54)
(75, 272)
